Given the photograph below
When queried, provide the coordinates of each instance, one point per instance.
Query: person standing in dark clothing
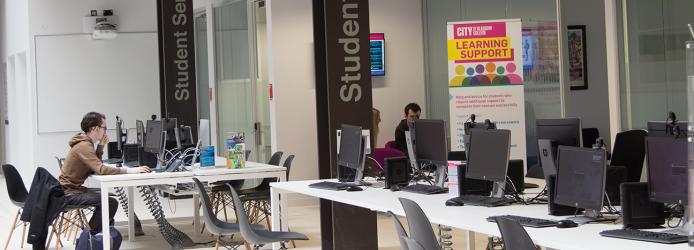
(412, 112)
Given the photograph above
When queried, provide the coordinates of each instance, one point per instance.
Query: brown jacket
(81, 162)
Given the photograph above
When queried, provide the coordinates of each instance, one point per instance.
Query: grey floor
(304, 218)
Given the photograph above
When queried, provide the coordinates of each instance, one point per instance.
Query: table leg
(470, 240)
(131, 215)
(196, 213)
(105, 225)
(275, 212)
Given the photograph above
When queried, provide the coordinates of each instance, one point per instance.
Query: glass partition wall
(539, 26)
(242, 102)
(654, 79)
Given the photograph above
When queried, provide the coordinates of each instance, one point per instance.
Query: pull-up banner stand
(485, 78)
(177, 82)
(343, 96)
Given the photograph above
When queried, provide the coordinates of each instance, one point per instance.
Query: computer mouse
(454, 202)
(566, 224)
(394, 188)
(353, 188)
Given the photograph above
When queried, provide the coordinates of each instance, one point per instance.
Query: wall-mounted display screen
(377, 54)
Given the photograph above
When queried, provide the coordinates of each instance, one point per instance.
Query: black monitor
(121, 138)
(430, 142)
(564, 131)
(660, 128)
(140, 133)
(171, 127)
(153, 138)
(581, 178)
(667, 169)
(186, 136)
(350, 147)
(489, 154)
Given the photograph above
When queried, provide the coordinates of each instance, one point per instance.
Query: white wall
(16, 26)
(291, 66)
(65, 17)
(401, 23)
(591, 104)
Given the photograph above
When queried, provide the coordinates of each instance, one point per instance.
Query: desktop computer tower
(472, 186)
(638, 211)
(556, 209)
(515, 174)
(482, 187)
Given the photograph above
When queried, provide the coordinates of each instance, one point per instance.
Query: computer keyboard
(113, 161)
(329, 185)
(633, 234)
(424, 189)
(526, 221)
(485, 201)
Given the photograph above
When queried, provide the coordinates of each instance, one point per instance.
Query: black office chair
(589, 136)
(514, 235)
(18, 195)
(629, 151)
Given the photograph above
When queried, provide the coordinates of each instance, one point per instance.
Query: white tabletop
(473, 218)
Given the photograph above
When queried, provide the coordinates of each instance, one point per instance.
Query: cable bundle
(173, 236)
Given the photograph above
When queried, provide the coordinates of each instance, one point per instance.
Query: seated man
(412, 112)
(82, 161)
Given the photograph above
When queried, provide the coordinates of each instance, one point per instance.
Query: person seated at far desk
(82, 161)
(412, 112)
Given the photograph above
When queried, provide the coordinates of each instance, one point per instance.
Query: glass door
(241, 100)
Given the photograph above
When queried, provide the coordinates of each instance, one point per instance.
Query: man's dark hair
(412, 106)
(91, 119)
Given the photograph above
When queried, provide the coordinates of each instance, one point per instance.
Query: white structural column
(612, 43)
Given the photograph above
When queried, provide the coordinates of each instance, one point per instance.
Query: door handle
(256, 130)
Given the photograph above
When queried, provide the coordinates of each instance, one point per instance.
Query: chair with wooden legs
(18, 195)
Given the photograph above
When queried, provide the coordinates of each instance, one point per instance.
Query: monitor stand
(440, 175)
(410, 151)
(498, 189)
(359, 175)
(589, 215)
(685, 228)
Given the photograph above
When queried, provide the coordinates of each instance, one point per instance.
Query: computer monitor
(171, 128)
(667, 169)
(364, 133)
(350, 145)
(186, 136)
(660, 128)
(140, 133)
(547, 152)
(563, 131)
(154, 137)
(121, 137)
(430, 146)
(488, 157)
(581, 179)
(204, 132)
(350, 159)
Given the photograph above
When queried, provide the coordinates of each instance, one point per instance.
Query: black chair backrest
(15, 185)
(288, 164)
(589, 136)
(276, 158)
(402, 235)
(420, 227)
(629, 151)
(514, 235)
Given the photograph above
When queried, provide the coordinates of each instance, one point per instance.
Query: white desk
(469, 218)
(218, 173)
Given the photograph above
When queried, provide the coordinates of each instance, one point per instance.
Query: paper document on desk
(453, 184)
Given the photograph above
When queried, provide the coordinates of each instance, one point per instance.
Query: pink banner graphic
(479, 30)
